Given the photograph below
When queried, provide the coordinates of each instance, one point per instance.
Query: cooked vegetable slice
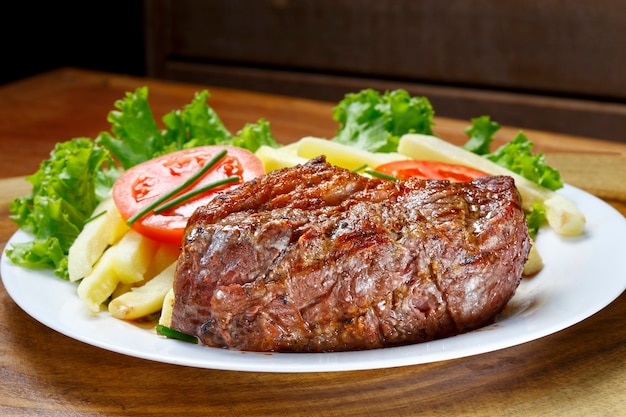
(180, 188)
(276, 158)
(145, 299)
(100, 233)
(192, 193)
(145, 183)
(343, 155)
(429, 170)
(562, 214)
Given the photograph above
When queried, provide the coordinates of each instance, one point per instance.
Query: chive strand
(360, 168)
(192, 193)
(381, 175)
(198, 174)
(175, 334)
(94, 217)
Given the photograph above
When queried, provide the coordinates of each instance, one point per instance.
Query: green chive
(192, 193)
(94, 217)
(175, 334)
(381, 175)
(360, 168)
(176, 190)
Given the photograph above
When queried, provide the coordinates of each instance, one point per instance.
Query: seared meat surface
(317, 258)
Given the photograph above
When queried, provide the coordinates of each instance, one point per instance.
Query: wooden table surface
(577, 371)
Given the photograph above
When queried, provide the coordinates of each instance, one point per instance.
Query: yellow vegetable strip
(144, 300)
(562, 214)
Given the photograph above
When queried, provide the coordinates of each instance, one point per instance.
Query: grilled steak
(317, 258)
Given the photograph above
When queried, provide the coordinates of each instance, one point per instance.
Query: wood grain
(525, 47)
(580, 371)
(544, 64)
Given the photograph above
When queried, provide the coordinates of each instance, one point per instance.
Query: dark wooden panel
(545, 64)
(540, 45)
(572, 116)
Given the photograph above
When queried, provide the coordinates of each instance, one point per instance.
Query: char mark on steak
(317, 258)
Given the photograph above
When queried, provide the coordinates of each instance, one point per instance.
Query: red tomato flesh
(429, 170)
(144, 183)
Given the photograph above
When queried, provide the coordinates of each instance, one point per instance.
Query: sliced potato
(562, 215)
(122, 264)
(534, 263)
(95, 237)
(291, 148)
(131, 262)
(99, 284)
(132, 256)
(122, 288)
(343, 155)
(166, 310)
(276, 158)
(146, 299)
(164, 256)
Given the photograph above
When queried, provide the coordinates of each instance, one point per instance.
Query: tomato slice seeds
(424, 169)
(143, 184)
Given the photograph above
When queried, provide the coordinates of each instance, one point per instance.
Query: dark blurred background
(545, 64)
(38, 37)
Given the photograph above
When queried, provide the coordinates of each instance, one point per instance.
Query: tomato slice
(144, 183)
(429, 170)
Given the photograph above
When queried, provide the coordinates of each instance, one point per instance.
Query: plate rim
(222, 359)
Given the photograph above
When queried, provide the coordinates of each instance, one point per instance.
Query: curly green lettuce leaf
(517, 155)
(197, 124)
(66, 189)
(535, 218)
(136, 136)
(375, 122)
(40, 254)
(80, 172)
(481, 135)
(254, 135)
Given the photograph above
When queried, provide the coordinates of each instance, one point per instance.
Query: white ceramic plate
(582, 275)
